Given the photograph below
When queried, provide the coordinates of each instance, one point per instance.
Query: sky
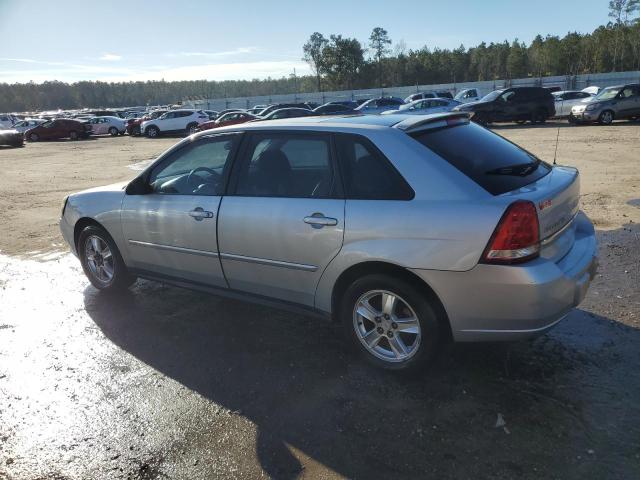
(71, 40)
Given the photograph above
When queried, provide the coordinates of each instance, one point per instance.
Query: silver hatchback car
(407, 230)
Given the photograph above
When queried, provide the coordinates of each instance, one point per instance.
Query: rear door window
(494, 163)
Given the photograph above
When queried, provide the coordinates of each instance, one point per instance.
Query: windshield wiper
(519, 170)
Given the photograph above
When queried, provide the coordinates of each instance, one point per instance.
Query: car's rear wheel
(113, 131)
(606, 117)
(101, 260)
(73, 135)
(152, 132)
(33, 137)
(390, 322)
(192, 128)
(539, 116)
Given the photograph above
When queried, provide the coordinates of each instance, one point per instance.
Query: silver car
(619, 102)
(404, 230)
(567, 99)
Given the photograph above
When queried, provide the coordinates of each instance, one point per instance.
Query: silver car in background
(425, 106)
(567, 99)
(403, 230)
(619, 102)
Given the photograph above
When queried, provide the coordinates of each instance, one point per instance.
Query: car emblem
(544, 204)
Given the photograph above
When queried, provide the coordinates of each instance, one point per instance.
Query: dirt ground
(167, 383)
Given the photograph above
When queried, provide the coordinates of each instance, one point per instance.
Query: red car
(59, 128)
(133, 124)
(231, 118)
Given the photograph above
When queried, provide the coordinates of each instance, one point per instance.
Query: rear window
(494, 163)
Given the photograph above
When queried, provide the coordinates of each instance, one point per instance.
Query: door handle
(318, 220)
(199, 213)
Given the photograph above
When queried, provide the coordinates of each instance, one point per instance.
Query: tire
(606, 117)
(101, 260)
(113, 131)
(400, 344)
(73, 135)
(481, 118)
(152, 131)
(521, 122)
(539, 116)
(33, 137)
(192, 128)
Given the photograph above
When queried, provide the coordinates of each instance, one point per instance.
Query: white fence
(569, 82)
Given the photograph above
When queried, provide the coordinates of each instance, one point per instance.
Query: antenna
(555, 153)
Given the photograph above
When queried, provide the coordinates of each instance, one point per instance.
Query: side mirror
(138, 186)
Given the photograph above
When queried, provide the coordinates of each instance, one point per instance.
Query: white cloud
(227, 53)
(111, 57)
(224, 71)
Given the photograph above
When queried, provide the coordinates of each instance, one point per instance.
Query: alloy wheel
(99, 259)
(387, 326)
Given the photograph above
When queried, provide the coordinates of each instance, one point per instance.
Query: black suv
(517, 104)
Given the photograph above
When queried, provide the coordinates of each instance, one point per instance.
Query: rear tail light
(516, 239)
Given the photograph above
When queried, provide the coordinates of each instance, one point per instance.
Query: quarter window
(368, 175)
(197, 169)
(285, 165)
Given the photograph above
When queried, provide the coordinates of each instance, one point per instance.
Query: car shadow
(294, 379)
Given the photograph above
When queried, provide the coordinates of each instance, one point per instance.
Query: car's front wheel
(152, 132)
(390, 322)
(101, 260)
(192, 128)
(113, 131)
(33, 137)
(606, 117)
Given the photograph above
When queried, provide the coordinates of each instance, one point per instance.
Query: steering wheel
(191, 179)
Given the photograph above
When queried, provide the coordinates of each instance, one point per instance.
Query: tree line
(339, 62)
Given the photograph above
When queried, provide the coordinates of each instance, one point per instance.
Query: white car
(593, 90)
(431, 94)
(24, 125)
(468, 95)
(425, 106)
(111, 125)
(174, 121)
(567, 99)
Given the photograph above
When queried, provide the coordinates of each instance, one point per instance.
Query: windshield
(491, 96)
(608, 93)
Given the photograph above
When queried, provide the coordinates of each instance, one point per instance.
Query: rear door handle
(199, 213)
(318, 220)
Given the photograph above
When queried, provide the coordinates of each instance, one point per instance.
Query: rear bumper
(496, 302)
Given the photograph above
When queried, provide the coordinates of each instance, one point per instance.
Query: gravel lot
(167, 383)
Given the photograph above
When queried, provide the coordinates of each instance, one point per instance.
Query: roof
(400, 121)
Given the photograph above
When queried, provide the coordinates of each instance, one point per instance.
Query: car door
(171, 230)
(625, 102)
(439, 106)
(166, 121)
(51, 130)
(283, 220)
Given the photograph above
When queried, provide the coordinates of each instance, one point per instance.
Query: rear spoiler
(435, 120)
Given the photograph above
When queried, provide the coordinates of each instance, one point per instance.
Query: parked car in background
(6, 121)
(347, 103)
(11, 137)
(231, 118)
(256, 110)
(593, 90)
(425, 106)
(567, 99)
(383, 224)
(468, 95)
(518, 104)
(334, 109)
(113, 126)
(290, 112)
(24, 125)
(379, 105)
(133, 124)
(432, 94)
(619, 102)
(174, 121)
(278, 106)
(212, 114)
(58, 129)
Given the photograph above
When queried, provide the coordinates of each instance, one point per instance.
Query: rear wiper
(519, 170)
